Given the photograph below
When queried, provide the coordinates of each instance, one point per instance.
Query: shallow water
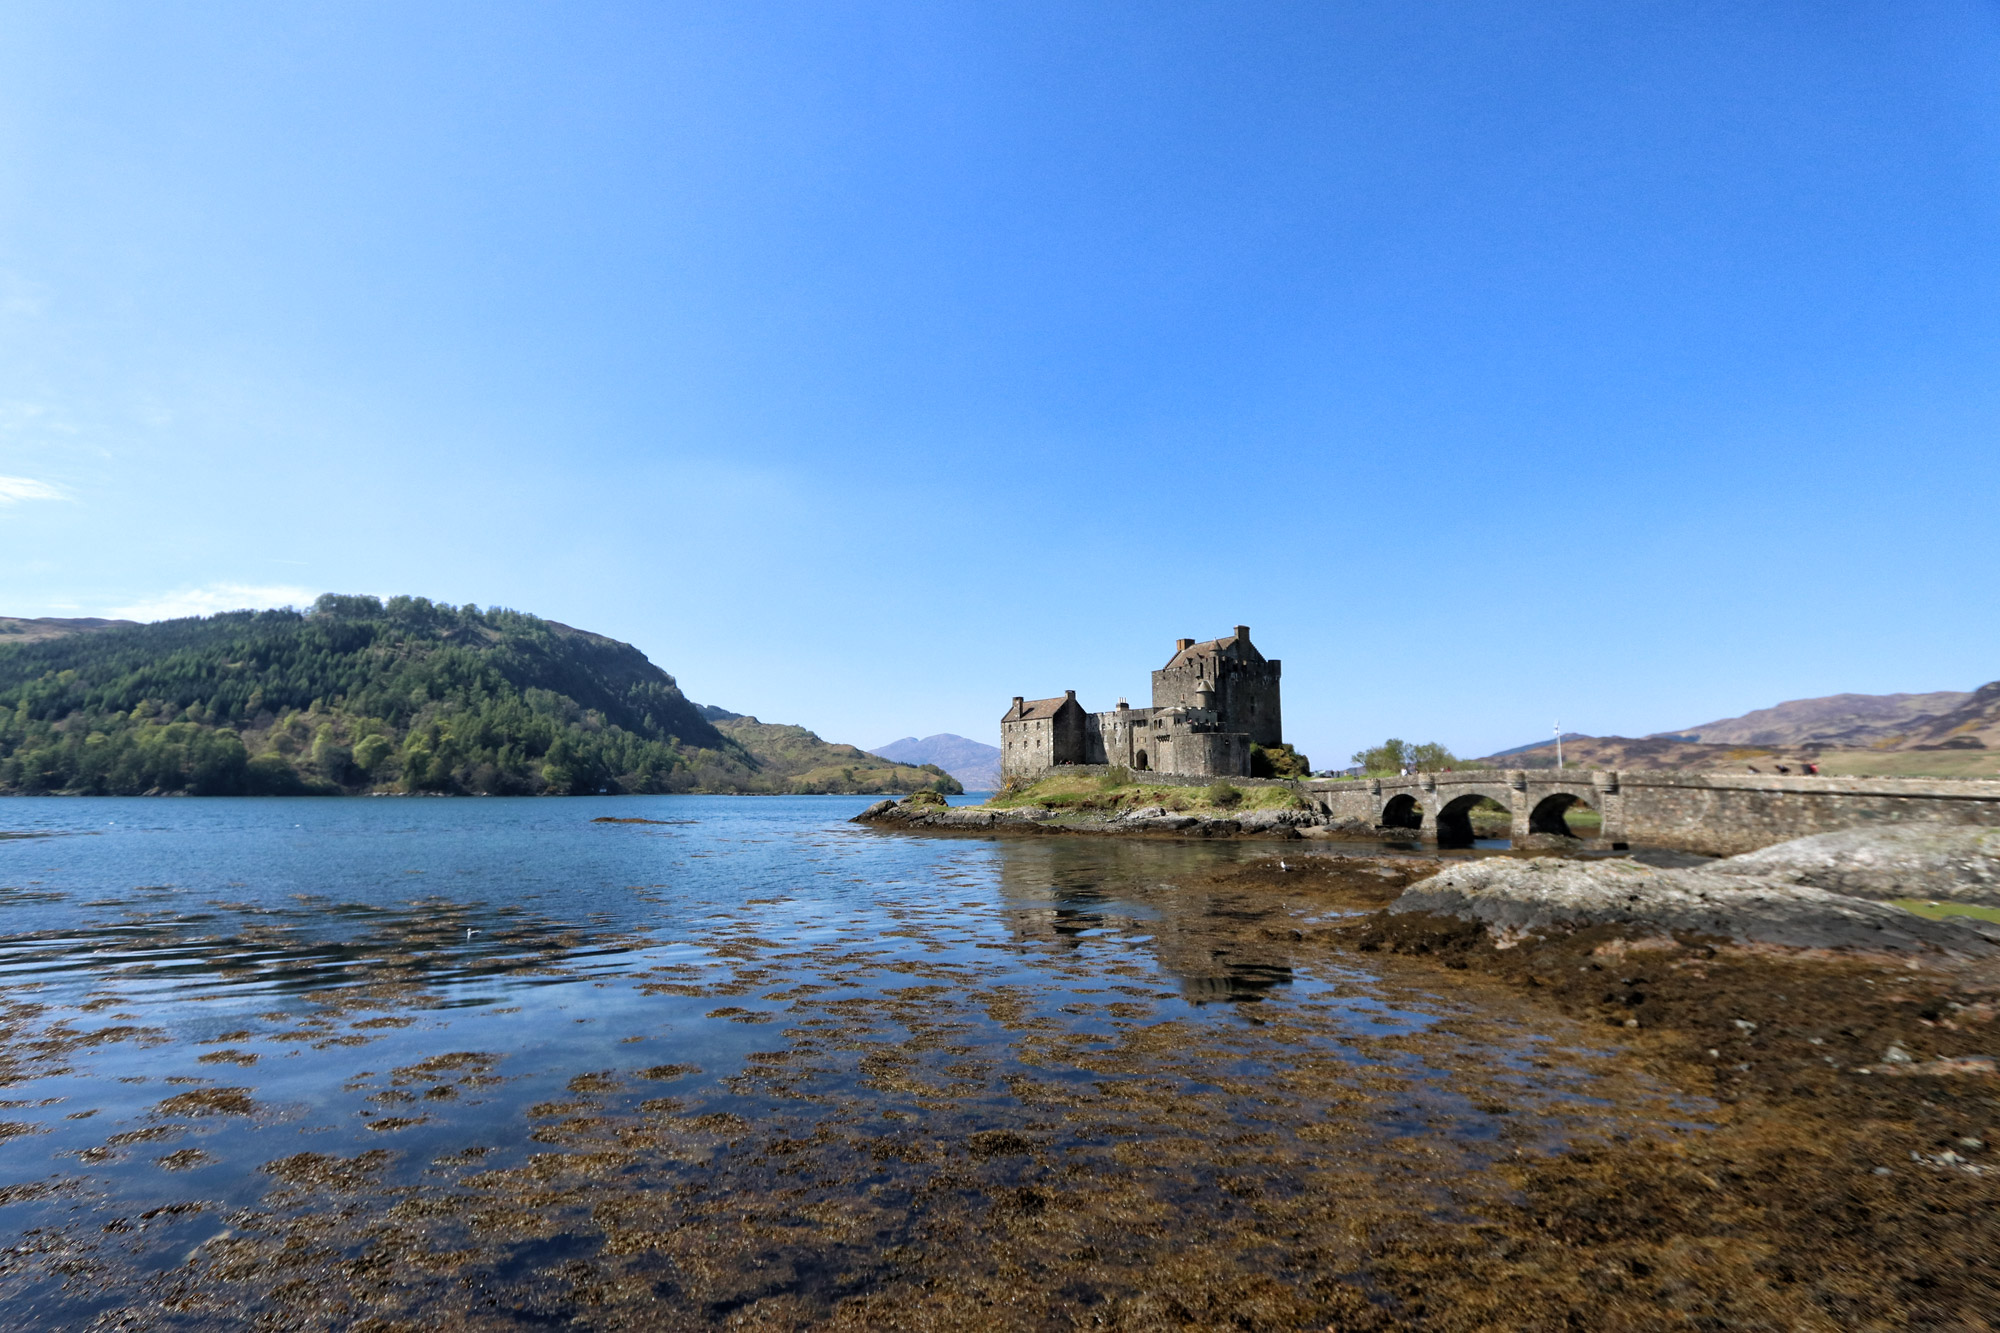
(486, 1062)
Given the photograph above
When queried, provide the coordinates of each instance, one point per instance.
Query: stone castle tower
(1211, 702)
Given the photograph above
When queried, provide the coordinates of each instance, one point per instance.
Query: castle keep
(1211, 702)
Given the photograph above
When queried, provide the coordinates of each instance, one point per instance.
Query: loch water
(497, 1063)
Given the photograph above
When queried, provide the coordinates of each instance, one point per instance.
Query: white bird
(1283, 866)
(470, 932)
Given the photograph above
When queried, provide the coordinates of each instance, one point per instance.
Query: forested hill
(360, 695)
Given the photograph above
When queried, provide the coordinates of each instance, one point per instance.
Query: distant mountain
(1647, 752)
(1837, 719)
(1973, 724)
(1851, 732)
(359, 695)
(975, 764)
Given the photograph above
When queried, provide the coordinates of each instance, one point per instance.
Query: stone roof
(1029, 709)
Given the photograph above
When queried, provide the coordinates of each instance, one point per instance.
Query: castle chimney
(1069, 696)
(1243, 633)
(1182, 645)
(1017, 703)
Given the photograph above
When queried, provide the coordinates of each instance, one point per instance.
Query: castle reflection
(1219, 943)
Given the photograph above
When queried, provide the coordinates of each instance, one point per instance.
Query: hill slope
(1837, 719)
(1962, 741)
(975, 764)
(814, 765)
(1973, 724)
(355, 695)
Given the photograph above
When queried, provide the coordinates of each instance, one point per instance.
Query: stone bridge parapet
(1722, 814)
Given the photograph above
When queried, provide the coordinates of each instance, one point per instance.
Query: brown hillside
(1973, 725)
(1837, 719)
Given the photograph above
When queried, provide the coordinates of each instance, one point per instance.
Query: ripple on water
(756, 1059)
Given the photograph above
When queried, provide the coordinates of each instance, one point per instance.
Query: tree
(370, 751)
(1393, 756)
(1431, 757)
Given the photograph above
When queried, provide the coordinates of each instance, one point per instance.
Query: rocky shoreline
(1514, 899)
(917, 813)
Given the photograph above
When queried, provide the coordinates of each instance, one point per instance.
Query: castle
(1211, 702)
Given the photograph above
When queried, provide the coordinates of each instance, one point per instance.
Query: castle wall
(1222, 754)
(1245, 694)
(1027, 747)
(1211, 703)
(1119, 737)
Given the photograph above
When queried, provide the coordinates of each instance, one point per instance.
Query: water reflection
(257, 1071)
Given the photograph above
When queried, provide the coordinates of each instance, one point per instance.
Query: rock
(1547, 893)
(1977, 1066)
(1955, 862)
(1158, 820)
(876, 810)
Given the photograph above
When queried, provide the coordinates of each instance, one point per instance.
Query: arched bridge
(1714, 812)
(1439, 806)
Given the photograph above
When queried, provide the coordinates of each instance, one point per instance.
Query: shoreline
(1282, 825)
(1842, 1172)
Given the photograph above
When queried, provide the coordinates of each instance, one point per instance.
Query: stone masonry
(1211, 702)
(1722, 814)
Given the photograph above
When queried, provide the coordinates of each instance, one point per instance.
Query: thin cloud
(206, 601)
(13, 490)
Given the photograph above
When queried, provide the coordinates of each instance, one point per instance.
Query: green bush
(1223, 795)
(1278, 761)
(1392, 756)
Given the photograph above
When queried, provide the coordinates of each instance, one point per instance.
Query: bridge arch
(1454, 817)
(1401, 811)
(1551, 814)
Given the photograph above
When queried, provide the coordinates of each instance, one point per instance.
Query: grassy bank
(1911, 763)
(1116, 791)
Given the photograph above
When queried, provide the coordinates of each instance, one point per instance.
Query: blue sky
(868, 364)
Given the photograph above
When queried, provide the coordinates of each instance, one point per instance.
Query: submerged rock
(1942, 861)
(1547, 893)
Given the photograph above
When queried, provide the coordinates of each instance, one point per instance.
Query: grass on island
(1110, 793)
(1937, 910)
(1910, 763)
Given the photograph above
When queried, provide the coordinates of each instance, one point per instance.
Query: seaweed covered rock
(1916, 860)
(1547, 894)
